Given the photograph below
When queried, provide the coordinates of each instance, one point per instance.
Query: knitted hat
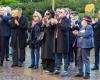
(87, 18)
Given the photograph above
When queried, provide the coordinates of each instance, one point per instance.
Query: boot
(1, 63)
(95, 68)
(87, 76)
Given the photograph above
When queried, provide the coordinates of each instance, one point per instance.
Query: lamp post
(53, 4)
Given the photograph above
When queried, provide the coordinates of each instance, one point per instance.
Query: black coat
(47, 46)
(61, 42)
(19, 34)
(73, 38)
(96, 28)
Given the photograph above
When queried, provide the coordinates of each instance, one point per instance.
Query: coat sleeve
(88, 32)
(12, 24)
(23, 24)
(6, 20)
(65, 25)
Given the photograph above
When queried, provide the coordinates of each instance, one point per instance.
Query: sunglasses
(47, 13)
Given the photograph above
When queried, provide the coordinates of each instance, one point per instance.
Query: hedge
(46, 4)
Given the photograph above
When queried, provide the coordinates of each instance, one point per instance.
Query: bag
(39, 39)
(39, 36)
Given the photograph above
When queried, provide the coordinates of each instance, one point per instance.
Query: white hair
(8, 9)
(37, 14)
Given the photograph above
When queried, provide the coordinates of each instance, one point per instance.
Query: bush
(7, 2)
(29, 8)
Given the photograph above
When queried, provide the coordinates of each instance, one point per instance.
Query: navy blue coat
(5, 29)
(34, 32)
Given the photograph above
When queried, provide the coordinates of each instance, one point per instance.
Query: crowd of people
(61, 35)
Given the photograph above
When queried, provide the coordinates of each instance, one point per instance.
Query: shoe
(36, 67)
(1, 63)
(56, 72)
(7, 59)
(20, 65)
(65, 73)
(14, 65)
(95, 68)
(47, 71)
(87, 76)
(31, 66)
(79, 75)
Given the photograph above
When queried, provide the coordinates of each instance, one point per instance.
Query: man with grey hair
(18, 37)
(61, 42)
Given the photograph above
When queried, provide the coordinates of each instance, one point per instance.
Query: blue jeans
(83, 58)
(58, 61)
(35, 56)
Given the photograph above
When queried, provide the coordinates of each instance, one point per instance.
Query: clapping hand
(93, 21)
(54, 21)
(16, 22)
(75, 32)
(33, 23)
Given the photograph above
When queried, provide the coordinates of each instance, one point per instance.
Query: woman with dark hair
(47, 55)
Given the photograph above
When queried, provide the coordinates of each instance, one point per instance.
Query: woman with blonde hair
(34, 44)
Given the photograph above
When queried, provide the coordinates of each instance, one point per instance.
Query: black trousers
(3, 47)
(75, 54)
(97, 52)
(7, 50)
(18, 55)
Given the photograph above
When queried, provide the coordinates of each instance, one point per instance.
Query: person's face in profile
(99, 15)
(84, 23)
(36, 18)
(48, 15)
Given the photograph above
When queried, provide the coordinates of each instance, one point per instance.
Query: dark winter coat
(96, 28)
(5, 29)
(19, 34)
(61, 37)
(47, 46)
